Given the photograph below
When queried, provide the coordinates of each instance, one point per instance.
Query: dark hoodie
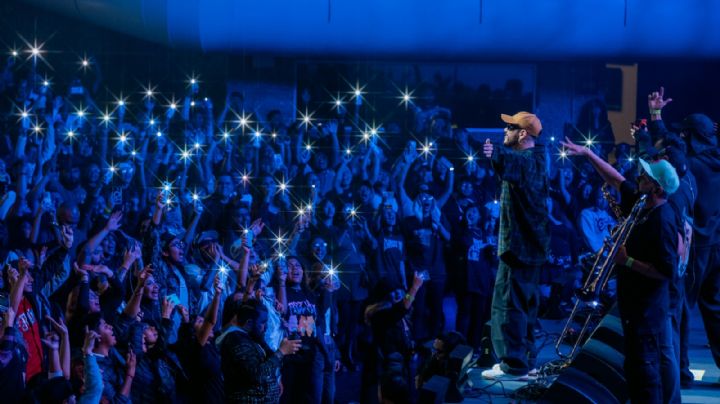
(704, 162)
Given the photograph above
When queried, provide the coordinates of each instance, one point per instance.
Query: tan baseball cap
(524, 120)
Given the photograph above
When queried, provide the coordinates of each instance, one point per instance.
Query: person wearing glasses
(166, 253)
(523, 245)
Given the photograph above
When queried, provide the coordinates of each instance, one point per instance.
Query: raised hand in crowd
(168, 306)
(66, 236)
(573, 149)
(657, 100)
(91, 337)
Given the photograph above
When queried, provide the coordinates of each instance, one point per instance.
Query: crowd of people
(177, 253)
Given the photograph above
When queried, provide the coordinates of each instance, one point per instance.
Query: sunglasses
(512, 126)
(178, 244)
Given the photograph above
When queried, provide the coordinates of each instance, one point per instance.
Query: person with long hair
(302, 374)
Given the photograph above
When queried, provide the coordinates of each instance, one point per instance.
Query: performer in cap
(523, 245)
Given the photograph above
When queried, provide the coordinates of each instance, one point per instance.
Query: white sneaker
(495, 373)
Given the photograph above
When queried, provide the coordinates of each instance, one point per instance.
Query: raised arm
(335, 159)
(159, 209)
(410, 295)
(35, 232)
(449, 184)
(112, 224)
(93, 377)
(374, 173)
(18, 278)
(211, 315)
(192, 227)
(242, 273)
(406, 204)
(62, 331)
(133, 307)
(608, 173)
(656, 102)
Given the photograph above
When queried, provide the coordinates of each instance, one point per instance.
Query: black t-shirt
(683, 200)
(390, 331)
(203, 367)
(12, 386)
(388, 256)
(564, 242)
(301, 319)
(424, 246)
(644, 301)
(476, 258)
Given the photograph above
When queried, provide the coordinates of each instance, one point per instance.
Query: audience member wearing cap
(663, 173)
(703, 157)
(699, 132)
(704, 163)
(683, 202)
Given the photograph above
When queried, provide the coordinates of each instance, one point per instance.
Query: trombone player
(645, 265)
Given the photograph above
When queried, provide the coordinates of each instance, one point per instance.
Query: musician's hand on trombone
(573, 149)
(621, 255)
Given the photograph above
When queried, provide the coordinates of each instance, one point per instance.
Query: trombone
(588, 297)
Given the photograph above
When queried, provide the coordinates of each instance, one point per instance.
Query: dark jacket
(705, 167)
(249, 370)
(157, 369)
(112, 368)
(524, 229)
(12, 381)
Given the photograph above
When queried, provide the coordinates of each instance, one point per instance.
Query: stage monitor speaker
(460, 359)
(457, 369)
(433, 391)
(596, 374)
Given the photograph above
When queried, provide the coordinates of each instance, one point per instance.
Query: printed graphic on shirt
(26, 320)
(424, 236)
(475, 250)
(302, 318)
(604, 223)
(390, 244)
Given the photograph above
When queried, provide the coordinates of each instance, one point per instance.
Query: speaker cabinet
(596, 374)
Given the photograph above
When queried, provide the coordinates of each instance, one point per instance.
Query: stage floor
(705, 390)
